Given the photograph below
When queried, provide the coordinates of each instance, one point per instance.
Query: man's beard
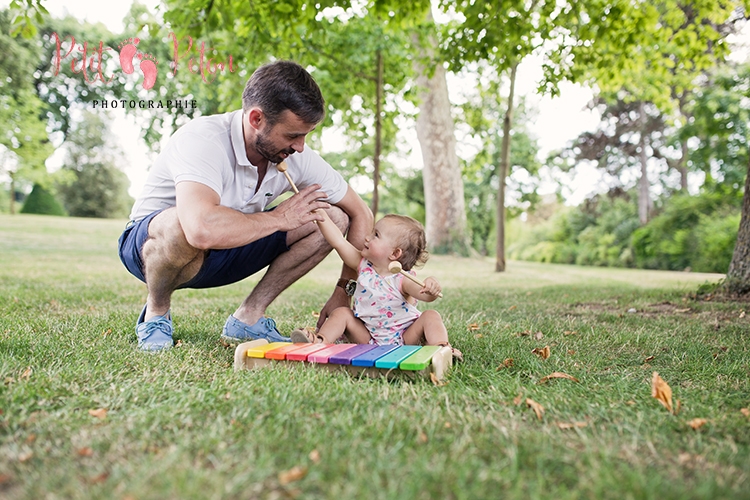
(265, 148)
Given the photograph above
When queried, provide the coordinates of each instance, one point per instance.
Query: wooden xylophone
(371, 360)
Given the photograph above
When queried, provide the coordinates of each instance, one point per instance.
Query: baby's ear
(396, 254)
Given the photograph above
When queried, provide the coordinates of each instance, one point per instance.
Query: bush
(42, 202)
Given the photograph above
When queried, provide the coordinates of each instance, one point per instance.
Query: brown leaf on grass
(478, 336)
(742, 314)
(557, 375)
(569, 332)
(697, 423)
(315, 314)
(25, 456)
(26, 375)
(542, 353)
(30, 439)
(85, 452)
(435, 381)
(538, 409)
(109, 330)
(512, 308)
(650, 358)
(294, 474)
(505, 364)
(517, 400)
(473, 327)
(538, 335)
(661, 391)
(98, 413)
(571, 352)
(571, 425)
(314, 456)
(745, 411)
(524, 333)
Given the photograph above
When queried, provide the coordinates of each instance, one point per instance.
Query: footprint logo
(149, 70)
(127, 52)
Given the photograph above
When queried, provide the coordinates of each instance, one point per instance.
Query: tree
(41, 201)
(99, 187)
(24, 143)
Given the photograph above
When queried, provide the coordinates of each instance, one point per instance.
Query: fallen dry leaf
(746, 412)
(569, 332)
(478, 336)
(98, 413)
(314, 456)
(85, 452)
(538, 335)
(557, 375)
(742, 314)
(571, 425)
(178, 343)
(435, 381)
(294, 474)
(30, 439)
(422, 438)
(524, 333)
(697, 423)
(571, 352)
(512, 307)
(473, 327)
(447, 425)
(650, 358)
(538, 409)
(26, 373)
(315, 314)
(25, 456)
(507, 363)
(542, 353)
(661, 391)
(517, 400)
(109, 330)
(682, 310)
(677, 406)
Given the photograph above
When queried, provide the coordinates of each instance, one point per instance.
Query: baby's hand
(431, 287)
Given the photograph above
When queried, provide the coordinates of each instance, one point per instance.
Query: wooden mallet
(395, 267)
(281, 167)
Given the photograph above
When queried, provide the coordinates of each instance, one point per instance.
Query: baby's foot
(127, 52)
(148, 68)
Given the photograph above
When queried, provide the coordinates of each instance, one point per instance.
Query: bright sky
(559, 120)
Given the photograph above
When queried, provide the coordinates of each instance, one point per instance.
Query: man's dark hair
(282, 85)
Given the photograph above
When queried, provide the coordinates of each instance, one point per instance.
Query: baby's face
(381, 243)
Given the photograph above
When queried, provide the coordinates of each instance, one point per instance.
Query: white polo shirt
(211, 150)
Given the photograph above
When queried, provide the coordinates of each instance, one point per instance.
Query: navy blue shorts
(220, 267)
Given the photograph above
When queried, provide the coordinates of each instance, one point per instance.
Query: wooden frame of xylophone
(356, 359)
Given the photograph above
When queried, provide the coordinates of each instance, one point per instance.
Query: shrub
(41, 201)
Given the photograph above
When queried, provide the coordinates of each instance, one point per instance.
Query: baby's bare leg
(342, 320)
(429, 326)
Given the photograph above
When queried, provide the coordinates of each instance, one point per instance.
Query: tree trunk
(682, 167)
(738, 276)
(378, 132)
(644, 198)
(503, 174)
(445, 209)
(12, 195)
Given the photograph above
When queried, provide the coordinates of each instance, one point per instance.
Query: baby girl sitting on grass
(384, 309)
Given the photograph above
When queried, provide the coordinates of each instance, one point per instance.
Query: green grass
(183, 424)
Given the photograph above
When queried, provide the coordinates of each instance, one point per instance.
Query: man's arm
(208, 225)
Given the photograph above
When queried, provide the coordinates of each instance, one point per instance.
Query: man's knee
(166, 238)
(340, 218)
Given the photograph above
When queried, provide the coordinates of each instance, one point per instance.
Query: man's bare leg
(168, 261)
(307, 248)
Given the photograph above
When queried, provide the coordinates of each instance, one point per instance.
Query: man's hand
(300, 208)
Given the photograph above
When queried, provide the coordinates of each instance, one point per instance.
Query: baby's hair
(411, 240)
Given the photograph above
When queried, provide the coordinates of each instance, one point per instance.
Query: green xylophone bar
(373, 361)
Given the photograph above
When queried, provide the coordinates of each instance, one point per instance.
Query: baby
(384, 309)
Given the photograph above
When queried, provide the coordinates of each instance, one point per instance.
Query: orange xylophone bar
(371, 360)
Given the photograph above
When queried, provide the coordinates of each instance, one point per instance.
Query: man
(201, 220)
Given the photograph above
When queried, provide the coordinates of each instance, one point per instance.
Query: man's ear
(255, 117)
(396, 254)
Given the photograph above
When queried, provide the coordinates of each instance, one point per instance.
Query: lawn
(83, 414)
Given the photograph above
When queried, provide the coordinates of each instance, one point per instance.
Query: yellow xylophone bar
(373, 361)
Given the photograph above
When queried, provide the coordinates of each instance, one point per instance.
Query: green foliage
(692, 232)
(42, 202)
(98, 187)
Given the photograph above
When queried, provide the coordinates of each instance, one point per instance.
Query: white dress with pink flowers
(381, 306)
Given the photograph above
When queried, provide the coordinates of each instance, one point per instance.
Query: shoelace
(155, 326)
(270, 324)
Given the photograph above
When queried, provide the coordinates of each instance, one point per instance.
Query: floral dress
(381, 306)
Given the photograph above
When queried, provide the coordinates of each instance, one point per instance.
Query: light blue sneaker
(237, 332)
(154, 334)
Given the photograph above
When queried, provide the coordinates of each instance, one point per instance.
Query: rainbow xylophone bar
(367, 359)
